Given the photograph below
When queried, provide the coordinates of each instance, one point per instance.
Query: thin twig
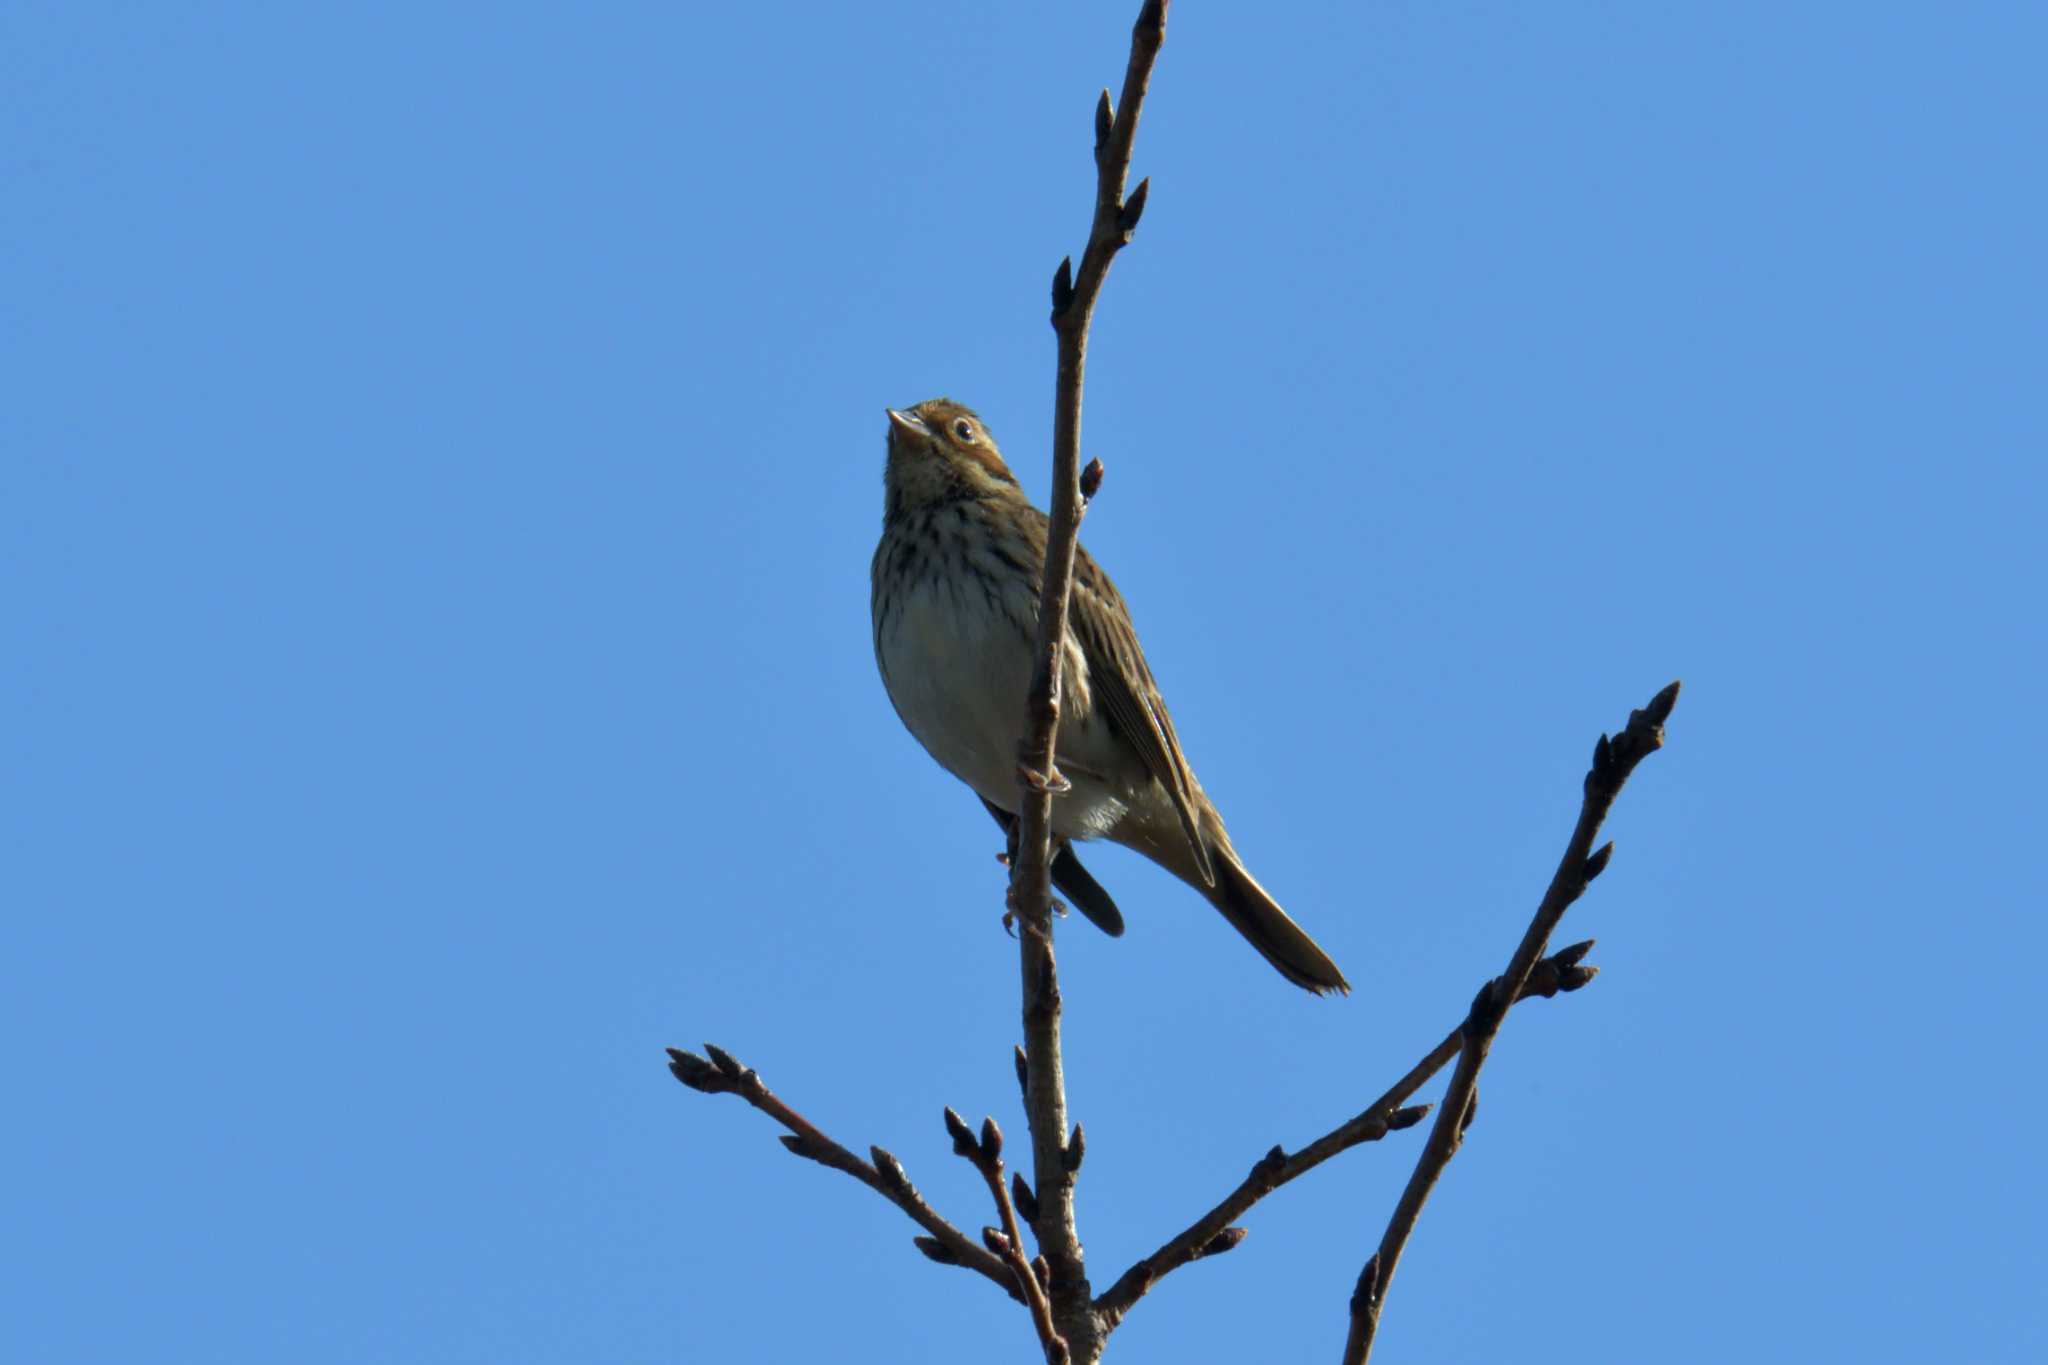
(1613, 761)
(1559, 972)
(722, 1075)
(986, 1156)
(1074, 298)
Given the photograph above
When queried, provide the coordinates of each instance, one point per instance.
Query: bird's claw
(1011, 918)
(1050, 782)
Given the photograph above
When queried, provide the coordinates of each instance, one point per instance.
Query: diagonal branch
(723, 1075)
(1613, 761)
(1557, 973)
(1054, 1159)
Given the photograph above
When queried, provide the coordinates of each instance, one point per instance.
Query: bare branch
(1072, 1326)
(947, 1245)
(1074, 295)
(1559, 972)
(1613, 761)
(986, 1156)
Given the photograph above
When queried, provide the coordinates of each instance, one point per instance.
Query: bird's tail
(1266, 926)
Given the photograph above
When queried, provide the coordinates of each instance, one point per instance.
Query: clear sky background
(439, 460)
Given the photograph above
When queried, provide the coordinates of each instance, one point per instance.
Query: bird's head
(939, 450)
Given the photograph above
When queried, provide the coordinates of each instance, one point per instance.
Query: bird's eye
(964, 429)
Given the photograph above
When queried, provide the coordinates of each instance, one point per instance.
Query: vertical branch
(1054, 1158)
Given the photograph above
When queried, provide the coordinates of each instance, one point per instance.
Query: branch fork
(1614, 758)
(1071, 1325)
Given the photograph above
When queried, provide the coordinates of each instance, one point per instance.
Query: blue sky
(438, 470)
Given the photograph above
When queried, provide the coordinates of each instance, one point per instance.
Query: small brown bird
(955, 603)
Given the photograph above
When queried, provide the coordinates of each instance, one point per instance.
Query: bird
(954, 598)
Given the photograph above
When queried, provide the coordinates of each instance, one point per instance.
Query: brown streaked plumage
(955, 585)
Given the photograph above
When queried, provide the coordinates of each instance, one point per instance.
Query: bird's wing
(1123, 687)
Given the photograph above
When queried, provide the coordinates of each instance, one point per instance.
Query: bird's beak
(903, 423)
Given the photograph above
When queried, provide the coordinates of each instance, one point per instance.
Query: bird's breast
(956, 663)
(954, 646)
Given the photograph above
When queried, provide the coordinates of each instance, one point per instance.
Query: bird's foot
(1050, 782)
